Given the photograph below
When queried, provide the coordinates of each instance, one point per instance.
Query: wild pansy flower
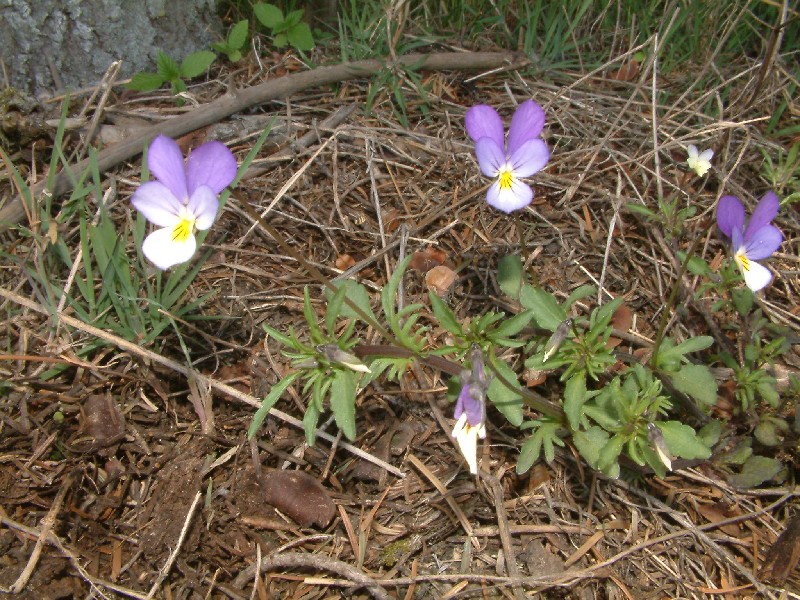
(183, 199)
(522, 155)
(699, 161)
(756, 241)
(470, 413)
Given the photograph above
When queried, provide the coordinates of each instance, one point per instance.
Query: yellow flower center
(743, 261)
(182, 230)
(506, 177)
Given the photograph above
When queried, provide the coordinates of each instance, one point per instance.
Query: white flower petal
(163, 251)
(467, 440)
(756, 275)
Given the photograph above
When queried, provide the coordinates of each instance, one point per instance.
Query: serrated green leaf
(697, 381)
(445, 316)
(343, 402)
(590, 442)
(197, 63)
(238, 35)
(167, 67)
(710, 433)
(682, 440)
(300, 37)
(510, 276)
(546, 311)
(269, 401)
(145, 82)
(268, 15)
(756, 470)
(609, 454)
(574, 397)
(508, 401)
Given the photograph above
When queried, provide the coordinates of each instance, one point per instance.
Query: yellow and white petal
(756, 275)
(466, 437)
(699, 162)
(170, 246)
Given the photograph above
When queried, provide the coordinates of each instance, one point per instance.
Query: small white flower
(700, 162)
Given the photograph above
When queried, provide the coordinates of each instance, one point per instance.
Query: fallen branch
(273, 89)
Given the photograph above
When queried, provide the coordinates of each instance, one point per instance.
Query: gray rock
(47, 44)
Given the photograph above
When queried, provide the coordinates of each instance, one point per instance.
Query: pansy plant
(758, 240)
(508, 160)
(470, 412)
(184, 197)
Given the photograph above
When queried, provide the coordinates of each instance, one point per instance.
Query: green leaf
(590, 442)
(167, 67)
(358, 295)
(197, 63)
(609, 454)
(546, 311)
(238, 35)
(300, 37)
(293, 18)
(767, 433)
(694, 344)
(507, 401)
(574, 397)
(269, 401)
(640, 210)
(145, 82)
(280, 40)
(767, 391)
(513, 325)
(389, 292)
(710, 433)
(510, 276)
(310, 420)
(697, 381)
(334, 310)
(343, 401)
(756, 471)
(268, 15)
(579, 293)
(529, 453)
(445, 316)
(682, 440)
(311, 319)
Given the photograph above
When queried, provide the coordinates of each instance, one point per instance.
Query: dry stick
(272, 89)
(505, 535)
(47, 524)
(292, 560)
(185, 371)
(162, 575)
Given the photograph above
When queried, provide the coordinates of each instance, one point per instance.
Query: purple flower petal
(763, 242)
(526, 124)
(509, 199)
(730, 215)
(737, 240)
(765, 211)
(204, 205)
(165, 161)
(483, 121)
(463, 398)
(491, 157)
(529, 158)
(157, 203)
(211, 164)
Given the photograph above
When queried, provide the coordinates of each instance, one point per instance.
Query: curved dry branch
(272, 89)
